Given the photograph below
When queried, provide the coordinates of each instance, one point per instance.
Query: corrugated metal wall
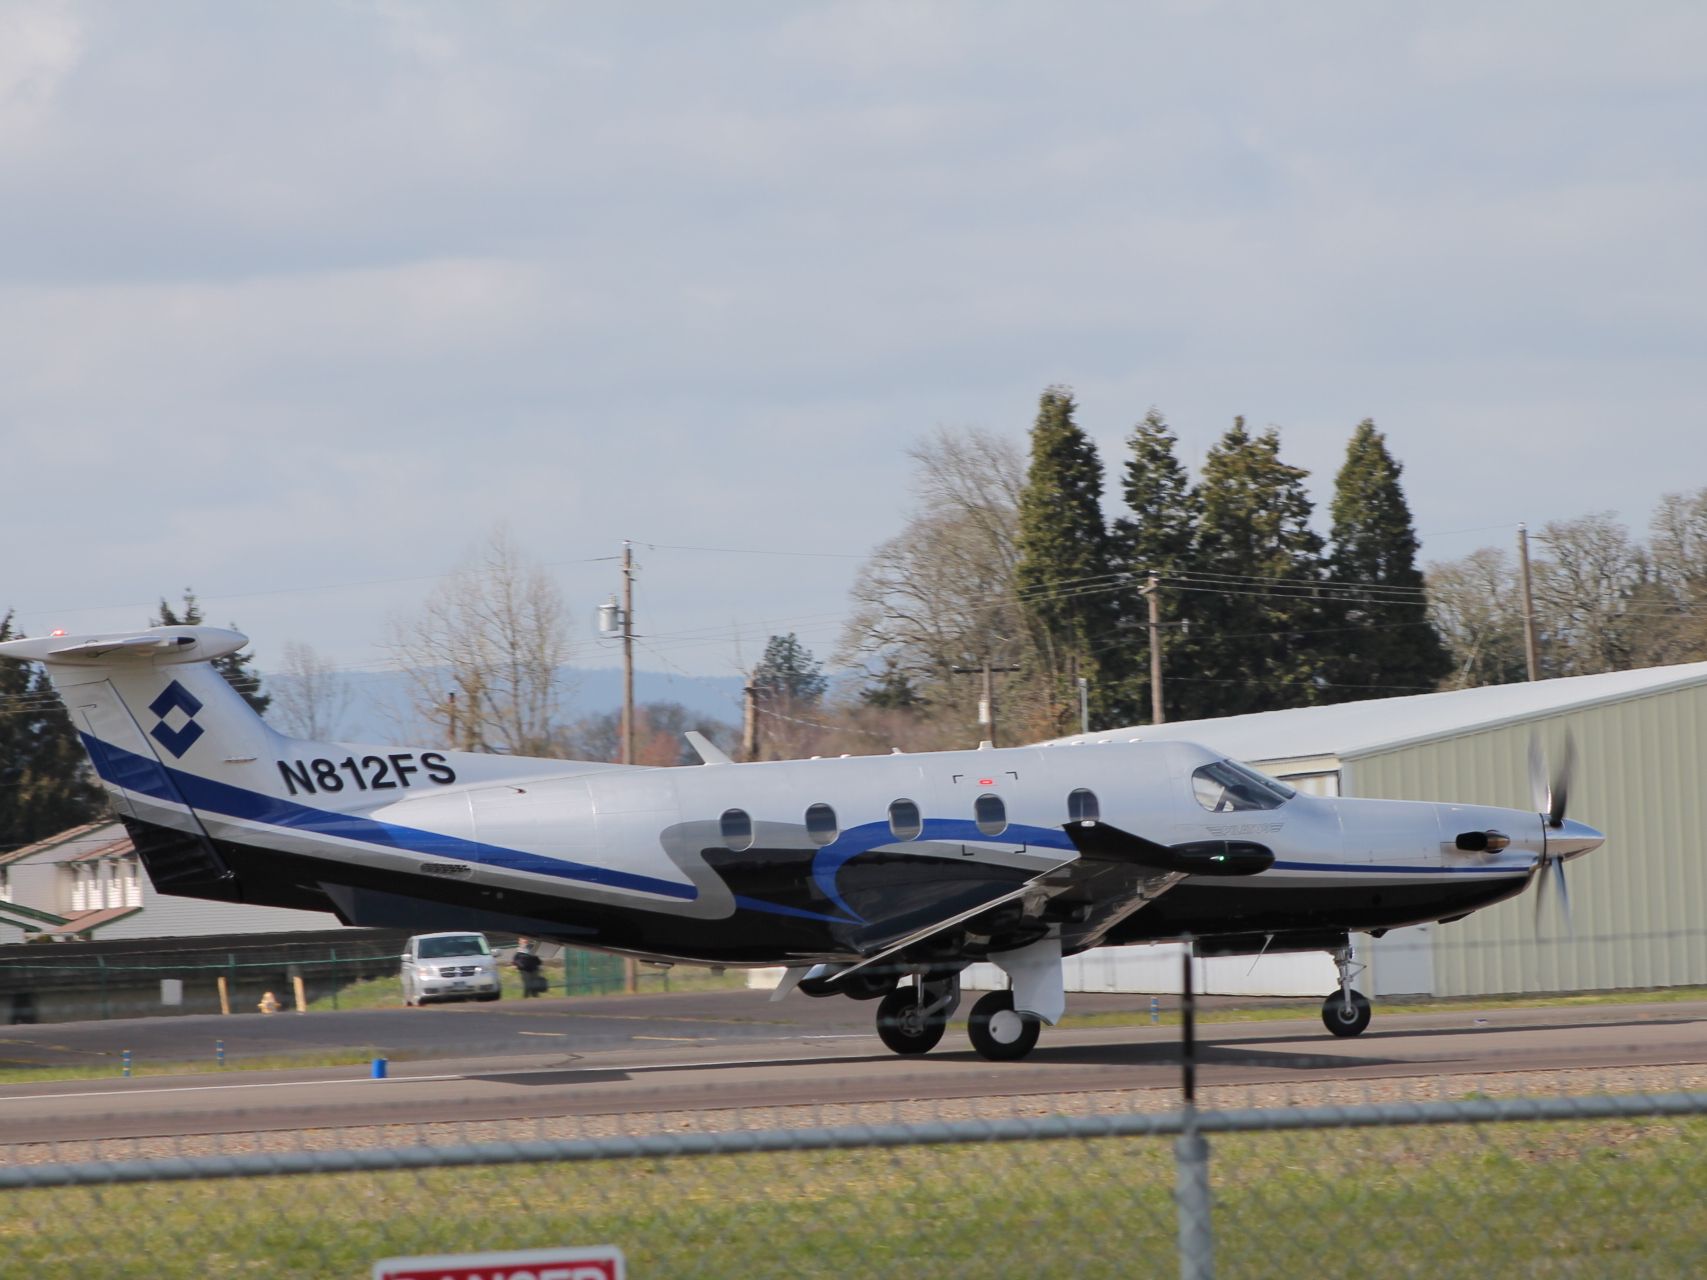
(1639, 903)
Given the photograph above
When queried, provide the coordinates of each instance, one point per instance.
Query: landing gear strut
(911, 1020)
(1346, 1012)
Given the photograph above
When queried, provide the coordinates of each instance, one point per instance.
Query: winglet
(708, 753)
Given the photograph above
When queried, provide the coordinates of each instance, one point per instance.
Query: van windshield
(463, 944)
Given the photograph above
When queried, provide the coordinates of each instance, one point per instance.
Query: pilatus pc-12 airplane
(878, 877)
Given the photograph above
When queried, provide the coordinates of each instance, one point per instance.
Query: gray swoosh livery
(877, 877)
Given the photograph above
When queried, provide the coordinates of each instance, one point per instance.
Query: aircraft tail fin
(159, 722)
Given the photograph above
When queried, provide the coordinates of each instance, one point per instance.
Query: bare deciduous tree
(941, 594)
(1475, 605)
(1669, 606)
(1582, 594)
(310, 697)
(494, 633)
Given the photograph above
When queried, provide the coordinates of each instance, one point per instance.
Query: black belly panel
(1205, 910)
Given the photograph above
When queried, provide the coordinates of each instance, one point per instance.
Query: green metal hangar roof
(1639, 903)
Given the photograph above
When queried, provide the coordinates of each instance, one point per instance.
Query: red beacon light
(56, 633)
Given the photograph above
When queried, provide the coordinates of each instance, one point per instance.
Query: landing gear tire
(1346, 1017)
(999, 1033)
(904, 1027)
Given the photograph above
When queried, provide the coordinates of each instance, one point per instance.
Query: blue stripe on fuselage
(148, 777)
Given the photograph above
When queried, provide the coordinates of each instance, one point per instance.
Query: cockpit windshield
(1226, 786)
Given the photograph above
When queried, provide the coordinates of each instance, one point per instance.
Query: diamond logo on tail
(174, 697)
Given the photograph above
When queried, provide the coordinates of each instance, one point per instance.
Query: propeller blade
(1561, 785)
(1538, 790)
(1564, 895)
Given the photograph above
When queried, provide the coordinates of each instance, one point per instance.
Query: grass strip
(1537, 1199)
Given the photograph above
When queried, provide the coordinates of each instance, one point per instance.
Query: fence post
(334, 952)
(1191, 1148)
(106, 1009)
(1191, 1193)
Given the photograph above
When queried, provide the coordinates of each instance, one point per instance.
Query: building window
(132, 883)
(821, 824)
(5, 884)
(904, 820)
(737, 830)
(1082, 806)
(79, 889)
(991, 814)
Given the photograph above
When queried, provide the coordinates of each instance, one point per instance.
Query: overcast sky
(297, 300)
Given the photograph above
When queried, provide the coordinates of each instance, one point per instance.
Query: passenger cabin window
(1082, 806)
(991, 814)
(821, 824)
(1226, 786)
(737, 830)
(904, 820)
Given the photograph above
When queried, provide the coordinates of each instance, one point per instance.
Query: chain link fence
(1607, 1183)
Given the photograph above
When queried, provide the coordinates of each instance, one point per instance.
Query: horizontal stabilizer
(157, 645)
(1103, 843)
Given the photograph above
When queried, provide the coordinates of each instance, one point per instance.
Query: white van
(449, 966)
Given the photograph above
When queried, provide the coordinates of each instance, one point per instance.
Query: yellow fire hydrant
(269, 1003)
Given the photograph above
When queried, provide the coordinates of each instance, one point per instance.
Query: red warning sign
(588, 1262)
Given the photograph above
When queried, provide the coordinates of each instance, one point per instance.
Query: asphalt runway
(616, 1055)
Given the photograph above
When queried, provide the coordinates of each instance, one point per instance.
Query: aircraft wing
(1118, 873)
(1115, 874)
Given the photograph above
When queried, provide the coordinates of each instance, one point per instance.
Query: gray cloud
(293, 296)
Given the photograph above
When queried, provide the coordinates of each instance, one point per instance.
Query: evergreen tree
(892, 689)
(1384, 642)
(1158, 537)
(1065, 577)
(1254, 605)
(235, 667)
(788, 673)
(45, 782)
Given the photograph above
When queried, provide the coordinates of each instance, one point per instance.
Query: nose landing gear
(1346, 1012)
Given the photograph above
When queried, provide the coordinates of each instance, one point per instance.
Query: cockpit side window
(1227, 786)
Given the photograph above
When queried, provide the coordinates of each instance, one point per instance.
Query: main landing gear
(999, 1033)
(911, 1020)
(1346, 1012)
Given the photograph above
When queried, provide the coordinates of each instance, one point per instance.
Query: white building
(88, 883)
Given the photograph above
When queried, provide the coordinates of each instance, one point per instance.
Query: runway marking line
(476, 1076)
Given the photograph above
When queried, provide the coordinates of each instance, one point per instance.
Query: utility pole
(450, 699)
(986, 704)
(1084, 705)
(750, 722)
(627, 652)
(1529, 654)
(1152, 592)
(615, 619)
